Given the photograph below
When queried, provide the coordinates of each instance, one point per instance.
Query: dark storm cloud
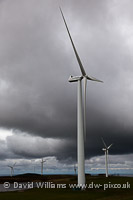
(37, 147)
(36, 59)
(4, 151)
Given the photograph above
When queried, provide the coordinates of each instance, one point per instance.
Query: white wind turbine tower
(106, 150)
(12, 168)
(42, 161)
(81, 120)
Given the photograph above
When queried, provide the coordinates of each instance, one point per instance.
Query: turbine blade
(110, 146)
(93, 79)
(85, 85)
(75, 51)
(104, 143)
(14, 164)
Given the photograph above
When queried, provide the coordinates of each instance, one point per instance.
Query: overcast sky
(38, 104)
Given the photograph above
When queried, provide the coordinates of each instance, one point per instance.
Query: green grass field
(68, 194)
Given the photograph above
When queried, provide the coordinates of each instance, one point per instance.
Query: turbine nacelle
(75, 78)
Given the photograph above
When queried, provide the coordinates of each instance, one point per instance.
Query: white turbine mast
(42, 161)
(12, 168)
(106, 150)
(81, 111)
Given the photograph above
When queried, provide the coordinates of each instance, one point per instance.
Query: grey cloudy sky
(36, 58)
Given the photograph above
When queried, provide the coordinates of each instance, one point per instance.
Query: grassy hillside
(68, 194)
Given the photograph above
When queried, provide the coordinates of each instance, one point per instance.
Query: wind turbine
(42, 161)
(75, 169)
(106, 150)
(12, 168)
(81, 120)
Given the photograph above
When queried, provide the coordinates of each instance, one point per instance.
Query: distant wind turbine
(81, 113)
(42, 161)
(12, 168)
(75, 170)
(106, 150)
